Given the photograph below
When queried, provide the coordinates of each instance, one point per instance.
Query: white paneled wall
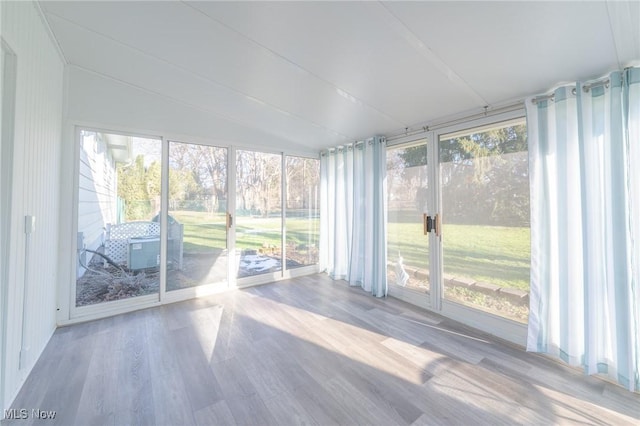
(7, 90)
(35, 189)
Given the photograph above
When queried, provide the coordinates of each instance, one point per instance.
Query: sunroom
(472, 162)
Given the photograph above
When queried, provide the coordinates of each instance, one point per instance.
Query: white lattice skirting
(119, 235)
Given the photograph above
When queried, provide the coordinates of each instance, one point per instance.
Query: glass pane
(303, 213)
(197, 231)
(486, 234)
(258, 213)
(407, 193)
(118, 229)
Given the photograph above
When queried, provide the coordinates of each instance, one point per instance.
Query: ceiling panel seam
(184, 103)
(613, 35)
(50, 32)
(419, 45)
(209, 80)
(626, 39)
(342, 92)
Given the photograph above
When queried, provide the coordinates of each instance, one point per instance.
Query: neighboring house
(98, 188)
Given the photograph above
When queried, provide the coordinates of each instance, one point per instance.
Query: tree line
(198, 182)
(484, 177)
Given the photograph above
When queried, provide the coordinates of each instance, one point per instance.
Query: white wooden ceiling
(318, 74)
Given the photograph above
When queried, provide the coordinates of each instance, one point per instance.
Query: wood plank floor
(306, 351)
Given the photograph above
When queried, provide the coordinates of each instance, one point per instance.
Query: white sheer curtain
(353, 219)
(584, 148)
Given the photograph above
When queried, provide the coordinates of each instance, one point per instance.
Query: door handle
(229, 220)
(431, 224)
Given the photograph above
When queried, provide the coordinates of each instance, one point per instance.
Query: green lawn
(205, 232)
(493, 254)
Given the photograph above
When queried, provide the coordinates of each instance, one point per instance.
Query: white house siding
(97, 191)
(35, 189)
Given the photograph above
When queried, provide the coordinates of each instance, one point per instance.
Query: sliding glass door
(408, 200)
(485, 210)
(458, 230)
(173, 219)
(302, 224)
(258, 219)
(197, 222)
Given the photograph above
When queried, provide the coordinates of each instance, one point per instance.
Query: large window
(118, 217)
(485, 213)
(302, 211)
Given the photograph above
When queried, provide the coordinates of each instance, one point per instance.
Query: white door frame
(507, 329)
(231, 210)
(415, 297)
(8, 76)
(204, 289)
